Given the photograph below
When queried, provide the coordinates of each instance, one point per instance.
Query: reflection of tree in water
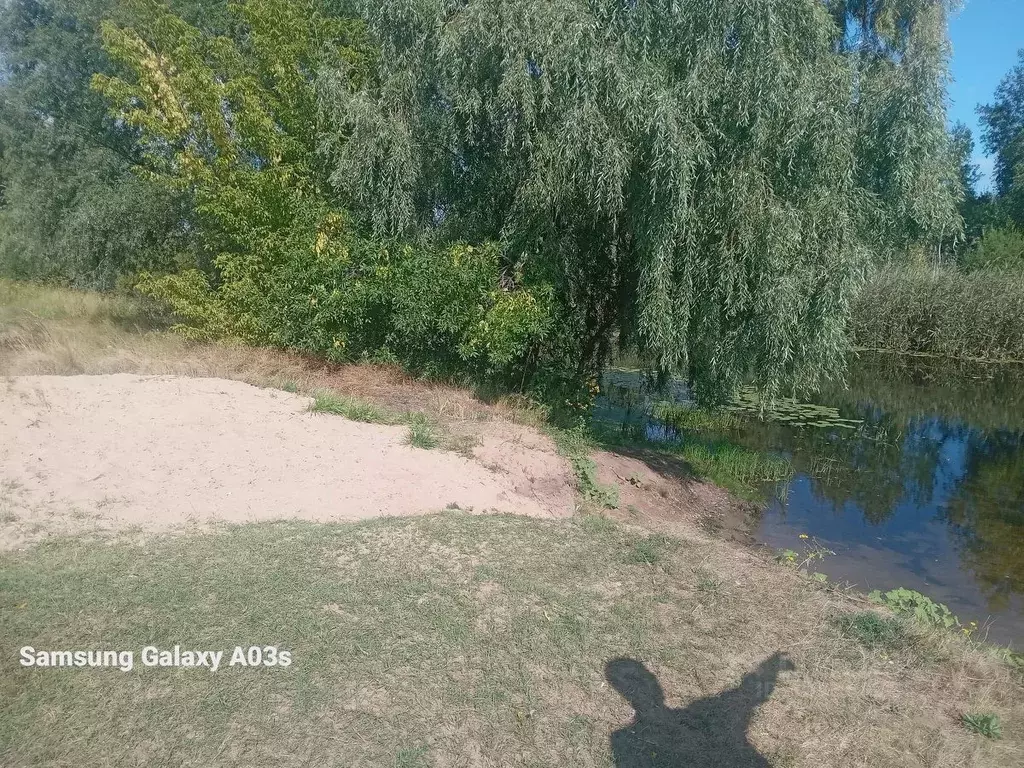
(948, 443)
(972, 479)
(986, 513)
(883, 465)
(984, 396)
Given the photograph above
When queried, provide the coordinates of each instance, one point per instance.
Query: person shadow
(708, 733)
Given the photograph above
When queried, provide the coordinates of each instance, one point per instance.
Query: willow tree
(690, 178)
(906, 160)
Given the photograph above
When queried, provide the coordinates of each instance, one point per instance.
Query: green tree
(973, 207)
(1003, 134)
(905, 159)
(702, 179)
(73, 210)
(233, 120)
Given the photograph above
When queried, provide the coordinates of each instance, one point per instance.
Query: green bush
(941, 312)
(908, 602)
(999, 249)
(326, 291)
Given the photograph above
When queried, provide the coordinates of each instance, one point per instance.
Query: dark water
(918, 483)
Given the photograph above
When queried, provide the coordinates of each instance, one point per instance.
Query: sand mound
(160, 451)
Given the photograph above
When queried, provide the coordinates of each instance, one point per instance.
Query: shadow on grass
(709, 733)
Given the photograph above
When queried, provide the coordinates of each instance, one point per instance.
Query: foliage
(72, 211)
(650, 550)
(910, 603)
(575, 445)
(941, 312)
(899, 53)
(421, 433)
(702, 178)
(490, 191)
(999, 249)
(292, 269)
(231, 122)
(352, 408)
(812, 551)
(987, 725)
(1003, 134)
(741, 470)
(981, 212)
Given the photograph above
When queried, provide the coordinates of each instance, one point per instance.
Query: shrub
(907, 602)
(440, 312)
(998, 249)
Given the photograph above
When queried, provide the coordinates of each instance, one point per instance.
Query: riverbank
(457, 638)
(910, 475)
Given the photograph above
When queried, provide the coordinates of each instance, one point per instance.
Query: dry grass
(941, 312)
(465, 640)
(54, 331)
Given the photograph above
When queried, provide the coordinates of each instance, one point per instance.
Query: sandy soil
(658, 491)
(161, 451)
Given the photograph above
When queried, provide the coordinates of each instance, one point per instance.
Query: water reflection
(927, 492)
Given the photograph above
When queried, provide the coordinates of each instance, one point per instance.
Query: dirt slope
(156, 452)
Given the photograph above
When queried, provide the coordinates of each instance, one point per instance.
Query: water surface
(913, 474)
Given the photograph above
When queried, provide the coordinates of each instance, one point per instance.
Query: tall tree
(73, 209)
(899, 53)
(1003, 135)
(701, 178)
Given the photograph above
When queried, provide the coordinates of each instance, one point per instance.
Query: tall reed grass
(942, 312)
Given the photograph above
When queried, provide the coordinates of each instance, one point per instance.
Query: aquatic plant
(789, 410)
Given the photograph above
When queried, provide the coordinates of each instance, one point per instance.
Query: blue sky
(986, 35)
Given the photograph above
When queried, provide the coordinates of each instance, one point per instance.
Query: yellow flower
(804, 536)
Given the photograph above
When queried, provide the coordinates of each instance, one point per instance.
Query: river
(912, 474)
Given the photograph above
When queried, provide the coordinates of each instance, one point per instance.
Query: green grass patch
(449, 639)
(393, 625)
(576, 445)
(987, 725)
(597, 524)
(696, 420)
(743, 471)
(422, 434)
(650, 550)
(874, 631)
(353, 408)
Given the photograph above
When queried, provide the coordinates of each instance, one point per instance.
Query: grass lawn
(464, 640)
